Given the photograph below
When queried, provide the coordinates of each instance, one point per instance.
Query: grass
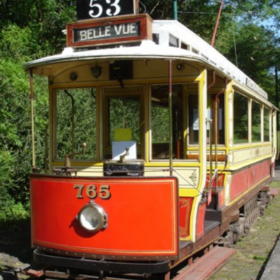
(253, 251)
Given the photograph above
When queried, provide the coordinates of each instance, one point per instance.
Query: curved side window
(256, 122)
(240, 128)
(160, 121)
(266, 125)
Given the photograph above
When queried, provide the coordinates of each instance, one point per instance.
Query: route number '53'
(91, 191)
(113, 8)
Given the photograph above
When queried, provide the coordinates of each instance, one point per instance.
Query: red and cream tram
(159, 147)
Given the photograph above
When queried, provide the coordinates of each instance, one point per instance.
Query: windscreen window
(75, 122)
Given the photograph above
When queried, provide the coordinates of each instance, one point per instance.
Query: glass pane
(256, 122)
(124, 112)
(266, 124)
(76, 122)
(193, 119)
(240, 119)
(122, 121)
(160, 121)
(211, 111)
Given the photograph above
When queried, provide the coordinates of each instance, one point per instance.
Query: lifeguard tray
(130, 168)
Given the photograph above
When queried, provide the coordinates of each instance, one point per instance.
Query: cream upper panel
(141, 69)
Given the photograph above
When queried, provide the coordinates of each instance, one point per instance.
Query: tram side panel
(250, 178)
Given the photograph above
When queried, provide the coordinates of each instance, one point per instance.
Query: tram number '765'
(98, 9)
(91, 191)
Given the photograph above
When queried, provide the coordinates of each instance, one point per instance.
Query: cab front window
(75, 122)
(123, 124)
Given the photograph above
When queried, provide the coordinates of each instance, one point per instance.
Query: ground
(15, 248)
(253, 251)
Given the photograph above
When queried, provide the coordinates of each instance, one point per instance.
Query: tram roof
(174, 41)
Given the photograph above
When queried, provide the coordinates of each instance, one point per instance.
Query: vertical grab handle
(210, 143)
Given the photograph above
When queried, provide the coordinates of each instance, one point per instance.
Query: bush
(10, 210)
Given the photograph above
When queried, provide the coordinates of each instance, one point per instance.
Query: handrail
(170, 120)
(210, 143)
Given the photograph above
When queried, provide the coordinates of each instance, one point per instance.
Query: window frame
(240, 142)
(187, 90)
(109, 92)
(54, 145)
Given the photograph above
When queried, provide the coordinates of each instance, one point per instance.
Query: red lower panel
(142, 215)
(200, 220)
(265, 169)
(255, 174)
(221, 194)
(185, 204)
(249, 177)
(221, 178)
(239, 183)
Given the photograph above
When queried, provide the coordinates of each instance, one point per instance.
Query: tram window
(124, 112)
(193, 119)
(221, 120)
(266, 126)
(256, 122)
(160, 121)
(240, 119)
(185, 46)
(122, 121)
(75, 119)
(211, 99)
(156, 38)
(173, 41)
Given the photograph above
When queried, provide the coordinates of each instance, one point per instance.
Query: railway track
(213, 256)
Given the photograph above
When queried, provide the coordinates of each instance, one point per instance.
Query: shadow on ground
(15, 239)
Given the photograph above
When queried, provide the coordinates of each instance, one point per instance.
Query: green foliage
(5, 165)
(16, 42)
(255, 54)
(75, 122)
(14, 119)
(160, 124)
(124, 112)
(15, 133)
(45, 20)
(10, 210)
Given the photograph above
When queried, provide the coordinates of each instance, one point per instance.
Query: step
(207, 265)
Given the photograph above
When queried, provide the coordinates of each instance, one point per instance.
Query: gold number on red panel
(104, 192)
(92, 192)
(80, 190)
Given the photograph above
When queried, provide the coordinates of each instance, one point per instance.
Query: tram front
(131, 199)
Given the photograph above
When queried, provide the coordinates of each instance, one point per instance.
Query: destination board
(92, 9)
(106, 31)
(252, 85)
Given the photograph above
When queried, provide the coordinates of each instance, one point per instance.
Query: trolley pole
(175, 9)
(217, 23)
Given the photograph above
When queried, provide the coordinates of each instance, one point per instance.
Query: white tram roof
(173, 41)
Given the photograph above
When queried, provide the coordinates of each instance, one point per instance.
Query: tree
(15, 134)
